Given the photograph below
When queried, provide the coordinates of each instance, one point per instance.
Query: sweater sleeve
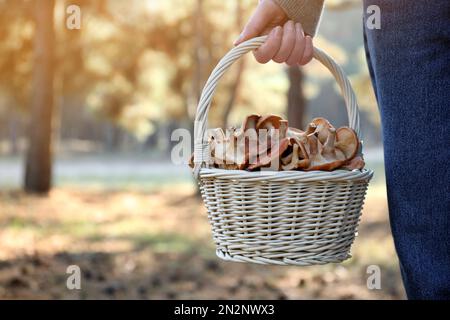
(307, 12)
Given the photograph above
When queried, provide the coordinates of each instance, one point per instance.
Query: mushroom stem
(329, 151)
(311, 129)
(292, 164)
(284, 125)
(298, 159)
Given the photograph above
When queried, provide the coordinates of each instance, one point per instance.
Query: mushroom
(322, 126)
(355, 163)
(264, 141)
(294, 133)
(311, 129)
(329, 151)
(250, 122)
(284, 126)
(218, 146)
(215, 136)
(247, 140)
(347, 142)
(226, 152)
(273, 154)
(191, 161)
(324, 157)
(266, 127)
(317, 162)
(297, 159)
(269, 122)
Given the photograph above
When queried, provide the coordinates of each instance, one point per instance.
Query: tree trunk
(113, 137)
(237, 80)
(296, 99)
(38, 169)
(199, 52)
(13, 133)
(233, 93)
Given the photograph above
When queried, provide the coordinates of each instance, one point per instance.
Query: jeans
(409, 62)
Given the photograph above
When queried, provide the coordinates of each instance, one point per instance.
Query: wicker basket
(282, 218)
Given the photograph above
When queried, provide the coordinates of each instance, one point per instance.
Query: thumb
(255, 26)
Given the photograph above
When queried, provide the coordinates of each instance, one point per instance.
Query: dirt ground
(156, 245)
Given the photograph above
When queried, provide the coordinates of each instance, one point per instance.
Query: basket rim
(201, 154)
(287, 176)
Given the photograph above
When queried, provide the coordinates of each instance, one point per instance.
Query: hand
(286, 42)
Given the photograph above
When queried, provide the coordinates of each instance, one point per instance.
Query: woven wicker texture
(283, 218)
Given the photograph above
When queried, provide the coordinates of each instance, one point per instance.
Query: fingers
(284, 44)
(270, 48)
(287, 43)
(256, 25)
(309, 51)
(299, 48)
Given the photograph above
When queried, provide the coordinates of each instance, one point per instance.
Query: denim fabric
(409, 60)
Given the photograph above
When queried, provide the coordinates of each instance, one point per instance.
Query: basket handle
(201, 150)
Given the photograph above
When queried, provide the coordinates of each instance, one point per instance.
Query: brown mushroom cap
(269, 122)
(250, 122)
(356, 163)
(324, 157)
(274, 152)
(322, 126)
(347, 142)
(267, 140)
(270, 129)
(321, 122)
(311, 129)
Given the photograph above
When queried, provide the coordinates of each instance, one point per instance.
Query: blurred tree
(234, 87)
(39, 159)
(136, 68)
(296, 99)
(15, 69)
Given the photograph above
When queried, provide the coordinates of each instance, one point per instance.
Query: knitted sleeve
(307, 12)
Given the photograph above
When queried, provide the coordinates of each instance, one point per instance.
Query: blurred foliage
(141, 63)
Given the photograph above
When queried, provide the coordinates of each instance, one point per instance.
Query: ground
(155, 243)
(137, 230)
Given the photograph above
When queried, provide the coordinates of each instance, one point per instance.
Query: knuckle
(281, 56)
(305, 60)
(261, 58)
(279, 59)
(291, 63)
(293, 59)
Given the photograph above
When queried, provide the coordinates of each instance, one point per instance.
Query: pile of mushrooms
(269, 142)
